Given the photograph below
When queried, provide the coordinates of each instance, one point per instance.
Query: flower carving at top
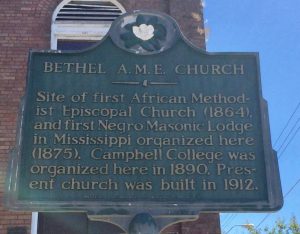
(145, 32)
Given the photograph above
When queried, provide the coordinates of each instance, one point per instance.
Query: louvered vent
(96, 11)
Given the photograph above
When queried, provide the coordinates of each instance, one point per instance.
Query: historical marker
(145, 118)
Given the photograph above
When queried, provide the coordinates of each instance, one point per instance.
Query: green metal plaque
(146, 118)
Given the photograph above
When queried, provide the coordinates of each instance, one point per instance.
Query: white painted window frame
(78, 30)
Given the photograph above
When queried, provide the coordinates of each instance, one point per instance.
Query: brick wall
(23, 25)
(205, 224)
(26, 24)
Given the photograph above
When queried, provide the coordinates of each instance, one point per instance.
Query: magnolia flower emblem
(146, 33)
